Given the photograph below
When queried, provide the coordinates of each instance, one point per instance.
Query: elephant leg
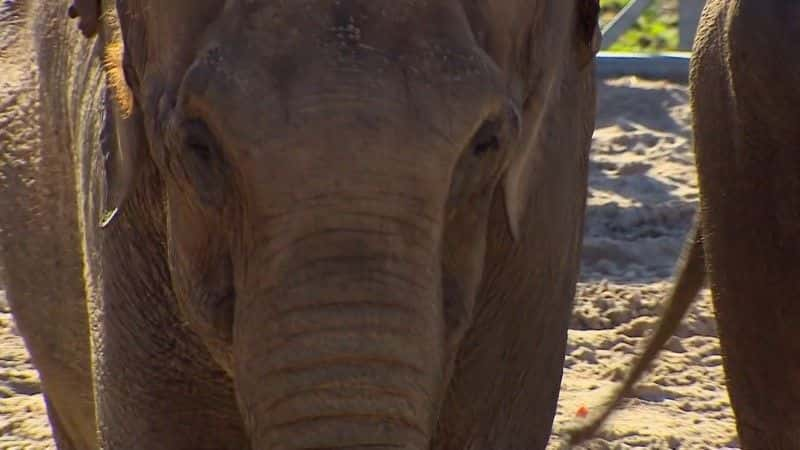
(54, 328)
(42, 269)
(756, 300)
(60, 433)
(745, 101)
(755, 287)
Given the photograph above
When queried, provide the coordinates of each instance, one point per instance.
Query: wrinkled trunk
(339, 346)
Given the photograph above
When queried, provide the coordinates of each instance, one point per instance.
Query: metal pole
(623, 21)
(689, 16)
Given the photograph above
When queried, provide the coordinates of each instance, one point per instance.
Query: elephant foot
(769, 437)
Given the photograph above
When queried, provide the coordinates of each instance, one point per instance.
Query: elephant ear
(589, 35)
(516, 192)
(123, 142)
(516, 180)
(516, 183)
(123, 154)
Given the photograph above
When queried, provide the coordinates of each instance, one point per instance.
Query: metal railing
(668, 65)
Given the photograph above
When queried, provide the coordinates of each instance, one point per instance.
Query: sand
(23, 418)
(642, 196)
(643, 193)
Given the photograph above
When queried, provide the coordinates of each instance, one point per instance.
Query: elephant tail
(690, 280)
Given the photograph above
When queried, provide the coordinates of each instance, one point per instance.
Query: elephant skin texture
(317, 224)
(745, 71)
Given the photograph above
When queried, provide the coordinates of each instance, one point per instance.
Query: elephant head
(328, 172)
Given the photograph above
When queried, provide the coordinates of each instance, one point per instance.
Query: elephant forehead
(347, 14)
(272, 24)
(263, 98)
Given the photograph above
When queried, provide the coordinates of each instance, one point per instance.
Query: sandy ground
(643, 194)
(23, 419)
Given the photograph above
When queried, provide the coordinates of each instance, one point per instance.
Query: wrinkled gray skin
(338, 223)
(744, 81)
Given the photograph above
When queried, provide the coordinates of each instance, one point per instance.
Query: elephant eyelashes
(486, 139)
(198, 141)
(474, 170)
(203, 164)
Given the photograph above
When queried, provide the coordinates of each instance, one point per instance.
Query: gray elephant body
(744, 77)
(199, 254)
(745, 73)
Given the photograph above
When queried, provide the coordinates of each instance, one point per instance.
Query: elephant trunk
(341, 346)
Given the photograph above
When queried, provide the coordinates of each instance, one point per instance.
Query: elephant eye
(203, 164)
(198, 141)
(487, 138)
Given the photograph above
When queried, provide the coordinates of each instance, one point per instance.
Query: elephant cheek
(202, 276)
(462, 269)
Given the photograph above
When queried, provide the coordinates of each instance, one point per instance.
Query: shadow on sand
(638, 237)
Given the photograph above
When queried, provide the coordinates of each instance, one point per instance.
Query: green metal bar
(688, 17)
(623, 21)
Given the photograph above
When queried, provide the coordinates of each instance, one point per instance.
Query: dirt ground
(643, 194)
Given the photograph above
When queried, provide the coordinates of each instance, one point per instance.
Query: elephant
(317, 224)
(744, 245)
